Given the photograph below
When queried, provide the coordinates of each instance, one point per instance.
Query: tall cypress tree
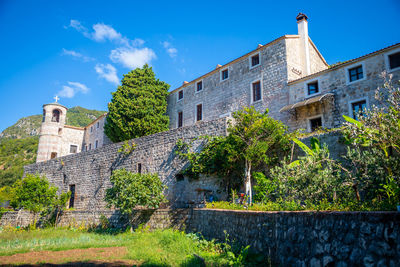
(138, 107)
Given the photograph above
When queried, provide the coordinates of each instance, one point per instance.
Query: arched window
(56, 116)
(44, 115)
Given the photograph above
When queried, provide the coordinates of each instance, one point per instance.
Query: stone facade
(286, 238)
(94, 134)
(89, 171)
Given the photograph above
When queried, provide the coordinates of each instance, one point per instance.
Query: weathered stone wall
(288, 238)
(71, 136)
(90, 171)
(336, 81)
(220, 98)
(95, 132)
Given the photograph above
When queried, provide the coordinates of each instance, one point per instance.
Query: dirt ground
(110, 256)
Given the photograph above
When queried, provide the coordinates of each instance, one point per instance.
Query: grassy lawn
(158, 248)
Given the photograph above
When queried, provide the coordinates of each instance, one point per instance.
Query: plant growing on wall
(131, 190)
(138, 107)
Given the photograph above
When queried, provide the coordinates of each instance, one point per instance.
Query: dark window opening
(180, 119)
(90, 146)
(44, 115)
(394, 60)
(73, 149)
(139, 168)
(315, 124)
(356, 73)
(96, 144)
(312, 88)
(98, 124)
(199, 112)
(72, 198)
(91, 129)
(179, 177)
(225, 74)
(358, 108)
(199, 86)
(59, 131)
(56, 116)
(53, 155)
(255, 60)
(256, 91)
(64, 178)
(180, 95)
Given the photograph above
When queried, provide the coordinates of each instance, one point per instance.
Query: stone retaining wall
(288, 238)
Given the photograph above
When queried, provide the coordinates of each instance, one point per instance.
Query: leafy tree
(138, 107)
(254, 140)
(36, 194)
(131, 190)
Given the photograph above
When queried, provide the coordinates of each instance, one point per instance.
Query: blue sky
(79, 50)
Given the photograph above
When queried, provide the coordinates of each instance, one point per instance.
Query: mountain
(19, 142)
(30, 126)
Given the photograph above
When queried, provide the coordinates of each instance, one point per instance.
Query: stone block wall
(301, 238)
(89, 171)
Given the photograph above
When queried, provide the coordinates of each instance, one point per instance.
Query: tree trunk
(249, 192)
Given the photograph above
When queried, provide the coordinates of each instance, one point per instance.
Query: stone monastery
(288, 76)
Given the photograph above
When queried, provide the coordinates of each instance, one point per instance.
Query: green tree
(138, 107)
(130, 190)
(36, 194)
(254, 140)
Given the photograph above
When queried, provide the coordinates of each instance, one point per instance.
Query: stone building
(289, 76)
(56, 139)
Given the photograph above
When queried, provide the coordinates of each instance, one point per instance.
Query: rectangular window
(139, 168)
(356, 73)
(72, 198)
(224, 74)
(358, 108)
(255, 60)
(180, 119)
(312, 88)
(394, 60)
(256, 91)
(199, 112)
(199, 86)
(96, 144)
(73, 149)
(90, 146)
(91, 129)
(315, 124)
(98, 124)
(86, 148)
(180, 95)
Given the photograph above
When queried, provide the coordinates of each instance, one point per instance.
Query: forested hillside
(18, 143)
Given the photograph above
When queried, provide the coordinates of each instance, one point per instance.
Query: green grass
(160, 247)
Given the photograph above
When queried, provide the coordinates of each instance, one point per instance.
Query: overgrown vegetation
(157, 248)
(138, 107)
(366, 178)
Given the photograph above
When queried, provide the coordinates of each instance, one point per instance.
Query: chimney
(302, 26)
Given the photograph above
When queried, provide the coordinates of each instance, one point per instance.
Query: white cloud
(108, 72)
(104, 32)
(172, 51)
(69, 91)
(76, 55)
(132, 57)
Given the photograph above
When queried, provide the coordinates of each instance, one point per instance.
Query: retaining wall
(288, 238)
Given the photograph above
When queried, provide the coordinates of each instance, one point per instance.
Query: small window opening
(358, 108)
(256, 91)
(53, 155)
(356, 73)
(394, 60)
(199, 86)
(224, 74)
(56, 116)
(255, 60)
(180, 95)
(179, 177)
(59, 131)
(73, 148)
(96, 144)
(98, 125)
(44, 115)
(180, 119)
(199, 112)
(139, 168)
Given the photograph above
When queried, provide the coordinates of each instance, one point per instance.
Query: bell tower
(51, 131)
